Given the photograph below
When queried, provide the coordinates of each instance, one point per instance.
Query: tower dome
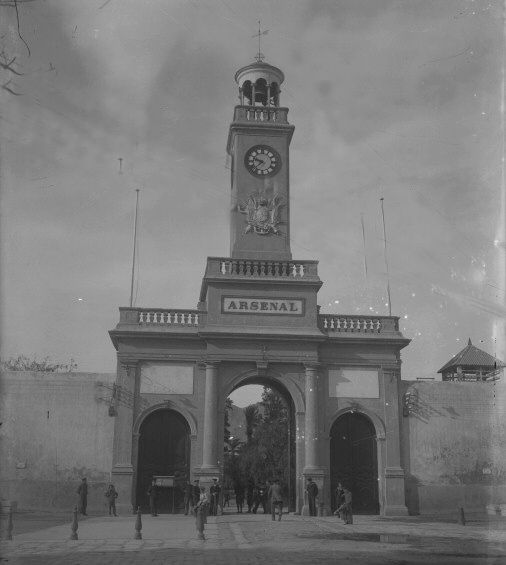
(259, 84)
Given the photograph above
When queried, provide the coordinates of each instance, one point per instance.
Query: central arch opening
(259, 445)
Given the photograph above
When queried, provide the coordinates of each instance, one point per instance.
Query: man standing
(215, 496)
(196, 492)
(153, 493)
(239, 496)
(339, 498)
(312, 493)
(276, 499)
(249, 494)
(201, 512)
(82, 491)
(345, 509)
(188, 497)
(111, 494)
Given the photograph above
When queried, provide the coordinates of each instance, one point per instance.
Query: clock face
(262, 161)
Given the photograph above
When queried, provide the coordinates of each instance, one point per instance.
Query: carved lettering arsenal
(283, 306)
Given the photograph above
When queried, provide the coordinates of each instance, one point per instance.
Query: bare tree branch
(6, 87)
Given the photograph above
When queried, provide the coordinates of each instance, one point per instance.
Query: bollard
(138, 524)
(74, 525)
(462, 517)
(320, 509)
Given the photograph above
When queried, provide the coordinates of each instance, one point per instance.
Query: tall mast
(135, 245)
(386, 258)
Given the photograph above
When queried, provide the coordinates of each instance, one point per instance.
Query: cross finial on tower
(260, 56)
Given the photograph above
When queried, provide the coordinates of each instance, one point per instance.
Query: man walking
(111, 494)
(82, 491)
(276, 499)
(312, 493)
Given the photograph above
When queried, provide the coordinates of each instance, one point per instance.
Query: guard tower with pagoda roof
(472, 364)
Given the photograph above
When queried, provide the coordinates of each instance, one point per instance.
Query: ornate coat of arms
(262, 214)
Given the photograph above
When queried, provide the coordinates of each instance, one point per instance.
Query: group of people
(111, 494)
(268, 495)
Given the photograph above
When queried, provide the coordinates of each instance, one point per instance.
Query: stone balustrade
(168, 317)
(253, 268)
(271, 114)
(342, 323)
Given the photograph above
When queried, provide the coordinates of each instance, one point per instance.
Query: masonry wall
(55, 429)
(454, 439)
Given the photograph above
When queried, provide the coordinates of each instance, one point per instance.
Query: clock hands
(259, 160)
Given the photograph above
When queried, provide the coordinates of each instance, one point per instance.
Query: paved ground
(254, 539)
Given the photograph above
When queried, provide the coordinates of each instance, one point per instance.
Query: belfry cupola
(258, 144)
(259, 84)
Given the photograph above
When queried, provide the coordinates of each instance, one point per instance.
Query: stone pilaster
(210, 433)
(312, 448)
(122, 464)
(395, 500)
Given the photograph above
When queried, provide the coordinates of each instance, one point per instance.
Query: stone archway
(163, 450)
(283, 388)
(354, 460)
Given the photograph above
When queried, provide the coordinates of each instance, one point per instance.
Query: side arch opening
(164, 451)
(354, 461)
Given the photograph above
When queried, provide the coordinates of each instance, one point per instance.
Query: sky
(401, 100)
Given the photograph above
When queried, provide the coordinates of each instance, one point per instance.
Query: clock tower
(258, 143)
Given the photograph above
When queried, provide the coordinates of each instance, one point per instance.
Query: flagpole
(135, 245)
(363, 240)
(386, 259)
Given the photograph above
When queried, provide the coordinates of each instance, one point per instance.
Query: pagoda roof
(472, 356)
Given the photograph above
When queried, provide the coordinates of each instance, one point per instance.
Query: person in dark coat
(249, 494)
(312, 493)
(196, 492)
(239, 496)
(153, 493)
(267, 505)
(215, 491)
(188, 498)
(111, 494)
(259, 498)
(82, 491)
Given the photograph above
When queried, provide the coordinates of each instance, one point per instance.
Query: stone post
(312, 467)
(395, 500)
(122, 467)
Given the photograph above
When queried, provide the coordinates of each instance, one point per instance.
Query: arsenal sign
(283, 306)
